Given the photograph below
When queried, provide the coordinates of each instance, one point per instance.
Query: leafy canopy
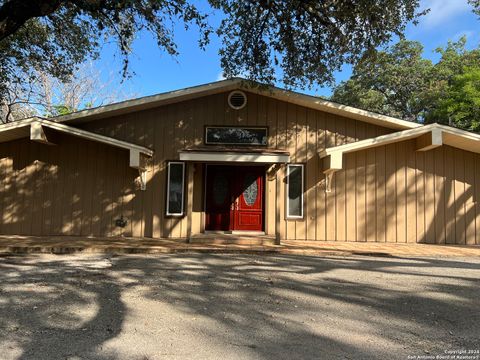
(306, 40)
(394, 82)
(461, 104)
(399, 82)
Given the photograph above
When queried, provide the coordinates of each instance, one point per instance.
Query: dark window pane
(235, 135)
(175, 189)
(295, 191)
(220, 189)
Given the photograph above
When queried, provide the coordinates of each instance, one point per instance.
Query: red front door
(249, 201)
(234, 198)
(218, 198)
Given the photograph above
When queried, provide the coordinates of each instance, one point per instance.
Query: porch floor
(71, 244)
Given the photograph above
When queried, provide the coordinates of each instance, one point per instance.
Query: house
(234, 157)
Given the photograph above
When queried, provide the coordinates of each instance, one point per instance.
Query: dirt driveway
(201, 306)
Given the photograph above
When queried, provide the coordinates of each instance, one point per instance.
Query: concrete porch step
(226, 239)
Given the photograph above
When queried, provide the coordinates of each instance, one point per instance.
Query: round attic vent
(237, 100)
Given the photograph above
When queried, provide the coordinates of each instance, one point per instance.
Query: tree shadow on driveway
(44, 311)
(236, 306)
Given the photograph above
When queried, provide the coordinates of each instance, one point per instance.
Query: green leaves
(309, 40)
(461, 103)
(400, 82)
(57, 38)
(476, 6)
(300, 43)
(393, 82)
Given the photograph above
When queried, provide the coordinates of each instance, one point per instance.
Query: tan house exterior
(322, 171)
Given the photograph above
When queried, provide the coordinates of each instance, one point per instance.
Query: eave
(308, 101)
(36, 130)
(426, 138)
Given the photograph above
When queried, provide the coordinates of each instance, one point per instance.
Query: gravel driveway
(229, 306)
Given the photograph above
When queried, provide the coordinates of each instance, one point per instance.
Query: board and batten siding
(385, 194)
(74, 188)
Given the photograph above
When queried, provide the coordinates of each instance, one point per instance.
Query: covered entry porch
(233, 193)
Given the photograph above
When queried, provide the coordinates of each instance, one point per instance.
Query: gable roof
(171, 97)
(34, 128)
(427, 137)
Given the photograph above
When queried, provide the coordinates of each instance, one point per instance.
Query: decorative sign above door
(223, 135)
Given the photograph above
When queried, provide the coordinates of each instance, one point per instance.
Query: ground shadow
(270, 307)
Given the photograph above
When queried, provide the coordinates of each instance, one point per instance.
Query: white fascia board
(153, 100)
(317, 103)
(459, 132)
(17, 124)
(95, 137)
(378, 141)
(36, 126)
(234, 157)
(309, 101)
(437, 131)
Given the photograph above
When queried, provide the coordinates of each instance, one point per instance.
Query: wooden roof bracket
(139, 160)
(329, 180)
(331, 164)
(143, 179)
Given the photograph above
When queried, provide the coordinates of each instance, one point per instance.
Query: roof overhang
(235, 155)
(426, 138)
(308, 101)
(35, 129)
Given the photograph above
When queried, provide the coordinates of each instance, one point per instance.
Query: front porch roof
(234, 154)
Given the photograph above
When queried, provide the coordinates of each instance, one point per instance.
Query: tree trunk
(15, 13)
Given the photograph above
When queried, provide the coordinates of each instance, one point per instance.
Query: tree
(47, 96)
(84, 89)
(461, 104)
(476, 6)
(307, 40)
(395, 81)
(455, 58)
(13, 106)
(399, 82)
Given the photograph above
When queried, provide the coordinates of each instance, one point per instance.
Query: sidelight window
(175, 188)
(295, 188)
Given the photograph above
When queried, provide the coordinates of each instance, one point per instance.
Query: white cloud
(220, 76)
(442, 11)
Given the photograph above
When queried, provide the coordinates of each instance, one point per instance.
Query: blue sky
(156, 72)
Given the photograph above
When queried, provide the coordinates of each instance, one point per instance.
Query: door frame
(264, 190)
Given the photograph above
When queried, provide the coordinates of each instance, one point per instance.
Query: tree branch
(15, 13)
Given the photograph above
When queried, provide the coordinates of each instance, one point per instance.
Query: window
(295, 191)
(175, 188)
(222, 135)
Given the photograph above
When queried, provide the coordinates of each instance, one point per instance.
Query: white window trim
(182, 212)
(302, 167)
